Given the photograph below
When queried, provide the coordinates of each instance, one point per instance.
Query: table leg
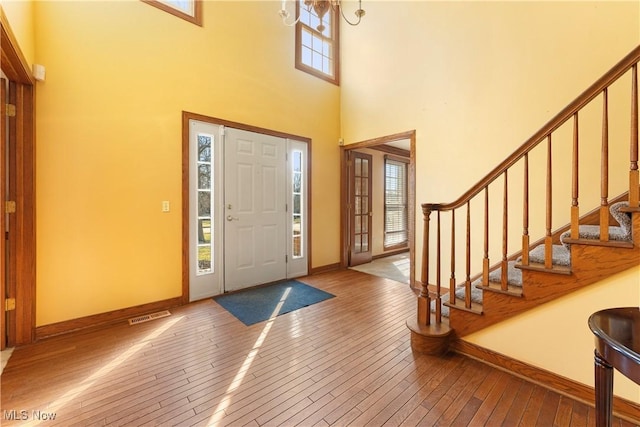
(604, 390)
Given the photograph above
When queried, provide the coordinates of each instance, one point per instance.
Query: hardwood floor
(344, 361)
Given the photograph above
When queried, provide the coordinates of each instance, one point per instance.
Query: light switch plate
(166, 207)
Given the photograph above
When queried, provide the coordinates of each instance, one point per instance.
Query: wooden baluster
(575, 210)
(548, 241)
(438, 283)
(604, 171)
(424, 301)
(452, 279)
(634, 175)
(485, 260)
(467, 282)
(505, 226)
(525, 213)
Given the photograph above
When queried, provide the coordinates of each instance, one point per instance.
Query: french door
(3, 226)
(248, 216)
(360, 183)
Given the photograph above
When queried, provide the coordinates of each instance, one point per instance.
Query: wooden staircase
(587, 250)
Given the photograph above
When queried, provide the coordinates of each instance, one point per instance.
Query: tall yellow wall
(476, 79)
(119, 75)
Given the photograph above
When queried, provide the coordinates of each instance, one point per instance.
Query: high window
(317, 43)
(189, 10)
(395, 203)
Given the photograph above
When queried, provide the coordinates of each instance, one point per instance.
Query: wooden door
(3, 225)
(360, 182)
(19, 174)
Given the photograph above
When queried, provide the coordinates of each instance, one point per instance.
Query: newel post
(424, 300)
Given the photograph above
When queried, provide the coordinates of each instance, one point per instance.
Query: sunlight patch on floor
(70, 395)
(225, 402)
(6, 354)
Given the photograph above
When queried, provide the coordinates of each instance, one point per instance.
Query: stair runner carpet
(561, 255)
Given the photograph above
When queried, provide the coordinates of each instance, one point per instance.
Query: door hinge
(10, 206)
(9, 304)
(11, 110)
(286, 259)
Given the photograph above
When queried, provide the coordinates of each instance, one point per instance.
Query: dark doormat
(266, 302)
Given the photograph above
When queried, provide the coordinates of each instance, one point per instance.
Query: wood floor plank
(563, 415)
(489, 403)
(345, 361)
(534, 405)
(550, 408)
(413, 402)
(474, 378)
(400, 394)
(579, 415)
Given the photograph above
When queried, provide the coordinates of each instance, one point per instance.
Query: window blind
(395, 203)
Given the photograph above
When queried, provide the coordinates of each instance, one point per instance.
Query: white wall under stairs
(555, 336)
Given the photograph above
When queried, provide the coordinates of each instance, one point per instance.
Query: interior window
(396, 219)
(317, 41)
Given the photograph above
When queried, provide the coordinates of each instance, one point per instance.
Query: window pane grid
(396, 211)
(317, 51)
(296, 210)
(204, 195)
(317, 43)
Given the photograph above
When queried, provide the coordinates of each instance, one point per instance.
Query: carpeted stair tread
(618, 233)
(476, 296)
(592, 232)
(514, 276)
(561, 255)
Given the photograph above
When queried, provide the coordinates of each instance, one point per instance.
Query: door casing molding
(186, 116)
(344, 217)
(22, 189)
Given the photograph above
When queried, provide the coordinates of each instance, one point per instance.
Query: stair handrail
(558, 120)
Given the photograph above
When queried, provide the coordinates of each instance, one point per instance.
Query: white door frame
(192, 290)
(205, 282)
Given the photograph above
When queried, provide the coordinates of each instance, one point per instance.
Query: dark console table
(617, 338)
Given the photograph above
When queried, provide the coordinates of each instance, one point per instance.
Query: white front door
(255, 215)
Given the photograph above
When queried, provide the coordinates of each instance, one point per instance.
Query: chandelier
(320, 8)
